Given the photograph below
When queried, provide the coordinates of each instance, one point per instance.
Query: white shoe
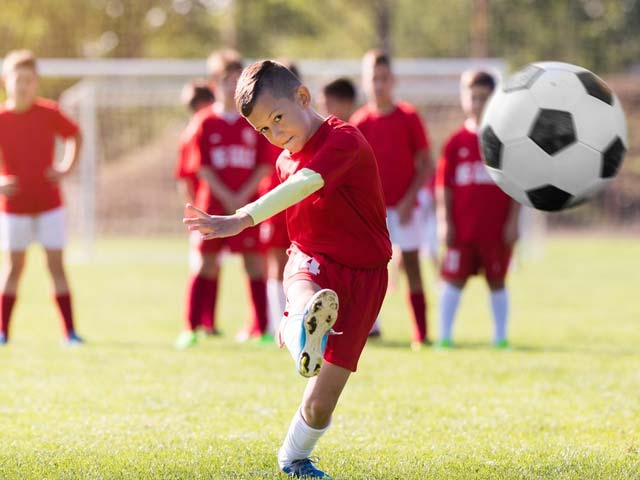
(318, 317)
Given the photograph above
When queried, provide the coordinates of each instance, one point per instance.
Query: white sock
(276, 303)
(300, 440)
(291, 333)
(500, 308)
(449, 300)
(376, 325)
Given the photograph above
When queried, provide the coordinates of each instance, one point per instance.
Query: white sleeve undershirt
(294, 189)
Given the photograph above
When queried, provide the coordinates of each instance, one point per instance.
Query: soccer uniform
(27, 142)
(480, 210)
(185, 168)
(339, 239)
(395, 137)
(232, 149)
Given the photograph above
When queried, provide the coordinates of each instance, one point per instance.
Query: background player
(30, 196)
(340, 244)
(399, 139)
(229, 156)
(338, 98)
(478, 220)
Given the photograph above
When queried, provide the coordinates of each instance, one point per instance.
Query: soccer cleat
(444, 344)
(186, 339)
(73, 340)
(3, 339)
(304, 468)
(318, 317)
(502, 344)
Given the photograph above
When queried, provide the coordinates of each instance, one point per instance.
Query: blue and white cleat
(304, 468)
(73, 340)
(318, 317)
(3, 339)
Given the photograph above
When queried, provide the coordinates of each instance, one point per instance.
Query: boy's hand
(449, 234)
(54, 175)
(511, 232)
(8, 185)
(214, 226)
(404, 209)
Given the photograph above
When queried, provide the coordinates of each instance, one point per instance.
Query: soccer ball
(553, 135)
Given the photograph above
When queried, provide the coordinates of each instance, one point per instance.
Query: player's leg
(455, 269)
(255, 266)
(417, 298)
(311, 421)
(276, 261)
(496, 259)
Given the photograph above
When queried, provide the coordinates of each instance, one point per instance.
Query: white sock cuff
(450, 289)
(310, 430)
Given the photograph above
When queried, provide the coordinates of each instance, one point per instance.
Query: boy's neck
(226, 106)
(471, 124)
(383, 106)
(16, 106)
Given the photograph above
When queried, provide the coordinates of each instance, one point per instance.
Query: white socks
(500, 309)
(300, 440)
(291, 333)
(449, 300)
(276, 302)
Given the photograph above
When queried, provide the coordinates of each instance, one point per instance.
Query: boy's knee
(317, 411)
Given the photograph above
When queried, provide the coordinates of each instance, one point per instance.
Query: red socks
(419, 306)
(259, 297)
(202, 294)
(66, 313)
(6, 307)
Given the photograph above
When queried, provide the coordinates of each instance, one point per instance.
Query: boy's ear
(303, 96)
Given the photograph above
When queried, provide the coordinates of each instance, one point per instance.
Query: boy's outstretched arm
(296, 188)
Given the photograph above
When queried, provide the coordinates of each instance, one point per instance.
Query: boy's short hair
(195, 92)
(262, 76)
(377, 56)
(222, 62)
(341, 89)
(478, 78)
(18, 58)
(291, 65)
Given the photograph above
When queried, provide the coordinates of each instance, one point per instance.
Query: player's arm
(444, 214)
(511, 232)
(218, 189)
(424, 170)
(250, 187)
(293, 190)
(72, 148)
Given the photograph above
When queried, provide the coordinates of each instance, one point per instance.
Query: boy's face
(337, 107)
(226, 83)
(473, 99)
(21, 85)
(378, 82)
(285, 122)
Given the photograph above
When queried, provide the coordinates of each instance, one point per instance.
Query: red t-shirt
(230, 147)
(27, 142)
(395, 137)
(345, 219)
(184, 166)
(480, 207)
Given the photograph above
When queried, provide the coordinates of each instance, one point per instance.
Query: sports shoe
(3, 339)
(502, 344)
(304, 468)
(186, 339)
(73, 340)
(318, 317)
(444, 344)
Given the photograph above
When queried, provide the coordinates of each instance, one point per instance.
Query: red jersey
(230, 147)
(345, 219)
(395, 137)
(27, 141)
(185, 165)
(480, 207)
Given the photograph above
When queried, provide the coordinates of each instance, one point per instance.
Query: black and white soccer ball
(553, 135)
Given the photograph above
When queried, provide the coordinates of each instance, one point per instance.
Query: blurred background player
(399, 139)
(338, 98)
(275, 238)
(478, 221)
(30, 196)
(196, 95)
(231, 160)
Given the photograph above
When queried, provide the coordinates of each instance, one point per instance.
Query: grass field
(564, 403)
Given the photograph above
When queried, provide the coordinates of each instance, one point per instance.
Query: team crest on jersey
(249, 137)
(215, 138)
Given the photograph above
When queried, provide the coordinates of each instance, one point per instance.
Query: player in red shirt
(339, 250)
(478, 220)
(231, 160)
(338, 98)
(399, 139)
(30, 198)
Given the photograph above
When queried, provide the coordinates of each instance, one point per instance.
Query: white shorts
(18, 231)
(407, 237)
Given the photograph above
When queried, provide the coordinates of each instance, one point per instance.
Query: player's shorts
(464, 260)
(246, 241)
(360, 292)
(18, 231)
(273, 232)
(407, 237)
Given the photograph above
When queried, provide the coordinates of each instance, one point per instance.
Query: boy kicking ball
(336, 275)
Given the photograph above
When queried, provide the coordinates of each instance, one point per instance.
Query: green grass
(564, 403)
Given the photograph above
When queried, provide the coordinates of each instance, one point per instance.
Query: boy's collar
(471, 125)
